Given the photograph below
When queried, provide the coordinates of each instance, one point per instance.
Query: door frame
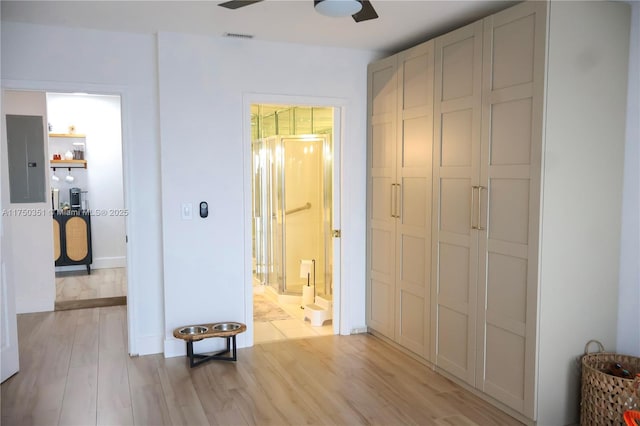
(127, 167)
(338, 106)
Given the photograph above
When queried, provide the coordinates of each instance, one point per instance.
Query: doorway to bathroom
(292, 166)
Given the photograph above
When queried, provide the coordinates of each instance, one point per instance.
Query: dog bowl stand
(195, 333)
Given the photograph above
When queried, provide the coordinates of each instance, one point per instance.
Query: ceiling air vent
(237, 35)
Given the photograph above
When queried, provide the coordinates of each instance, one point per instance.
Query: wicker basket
(605, 397)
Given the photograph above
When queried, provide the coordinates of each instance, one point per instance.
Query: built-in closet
(401, 136)
(528, 141)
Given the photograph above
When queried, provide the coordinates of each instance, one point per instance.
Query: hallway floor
(101, 283)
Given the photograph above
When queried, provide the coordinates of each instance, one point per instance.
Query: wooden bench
(195, 333)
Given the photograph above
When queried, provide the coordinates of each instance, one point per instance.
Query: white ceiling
(402, 23)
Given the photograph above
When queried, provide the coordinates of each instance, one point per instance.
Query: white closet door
(382, 159)
(457, 109)
(413, 227)
(511, 141)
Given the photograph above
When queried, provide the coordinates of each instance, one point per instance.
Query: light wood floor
(101, 283)
(75, 371)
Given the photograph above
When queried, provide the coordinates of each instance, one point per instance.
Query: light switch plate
(187, 211)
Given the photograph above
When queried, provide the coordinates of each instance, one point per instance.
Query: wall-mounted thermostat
(204, 209)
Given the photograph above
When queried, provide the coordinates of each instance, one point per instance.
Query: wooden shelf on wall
(67, 135)
(69, 163)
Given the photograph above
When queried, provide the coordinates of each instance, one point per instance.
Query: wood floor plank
(147, 398)
(149, 406)
(79, 400)
(112, 325)
(44, 403)
(143, 370)
(323, 383)
(255, 408)
(45, 353)
(113, 398)
(85, 343)
(180, 395)
(217, 402)
(113, 393)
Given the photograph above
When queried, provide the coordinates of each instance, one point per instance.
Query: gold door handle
(392, 202)
(472, 209)
(480, 227)
(398, 200)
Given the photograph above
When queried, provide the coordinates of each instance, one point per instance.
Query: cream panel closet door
(382, 159)
(413, 226)
(511, 140)
(456, 173)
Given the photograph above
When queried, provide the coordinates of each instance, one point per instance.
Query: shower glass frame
(270, 215)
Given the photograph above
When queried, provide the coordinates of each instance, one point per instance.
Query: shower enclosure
(292, 205)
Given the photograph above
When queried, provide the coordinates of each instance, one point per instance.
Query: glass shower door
(293, 211)
(305, 192)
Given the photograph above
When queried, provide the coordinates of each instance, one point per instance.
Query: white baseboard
(148, 345)
(71, 268)
(98, 263)
(109, 262)
(174, 347)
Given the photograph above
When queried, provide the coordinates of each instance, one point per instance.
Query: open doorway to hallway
(293, 189)
(86, 181)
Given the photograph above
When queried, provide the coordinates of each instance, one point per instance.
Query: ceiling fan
(360, 10)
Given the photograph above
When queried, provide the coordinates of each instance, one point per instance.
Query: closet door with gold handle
(413, 200)
(456, 176)
(381, 152)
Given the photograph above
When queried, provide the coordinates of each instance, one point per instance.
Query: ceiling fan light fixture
(337, 8)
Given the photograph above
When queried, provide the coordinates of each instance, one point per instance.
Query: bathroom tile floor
(294, 328)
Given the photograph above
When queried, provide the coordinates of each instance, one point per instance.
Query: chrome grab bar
(298, 209)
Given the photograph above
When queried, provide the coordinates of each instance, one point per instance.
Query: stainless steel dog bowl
(226, 326)
(198, 329)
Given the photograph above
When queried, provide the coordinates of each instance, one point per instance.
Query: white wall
(629, 293)
(582, 180)
(78, 60)
(98, 117)
(202, 81)
(31, 272)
